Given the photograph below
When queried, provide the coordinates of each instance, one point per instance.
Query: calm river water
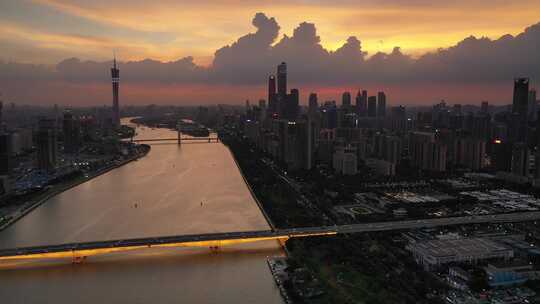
(168, 186)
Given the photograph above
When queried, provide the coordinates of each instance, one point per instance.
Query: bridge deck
(229, 238)
(176, 139)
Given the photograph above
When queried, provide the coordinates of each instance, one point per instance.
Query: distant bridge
(179, 139)
(79, 251)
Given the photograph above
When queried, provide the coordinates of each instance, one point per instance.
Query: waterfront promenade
(28, 206)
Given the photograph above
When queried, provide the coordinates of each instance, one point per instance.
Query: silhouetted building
(272, 98)
(115, 73)
(537, 166)
(520, 159)
(381, 106)
(329, 115)
(344, 160)
(282, 80)
(502, 156)
(346, 100)
(291, 106)
(398, 119)
(388, 148)
(426, 153)
(71, 130)
(372, 106)
(361, 103)
(520, 109)
(457, 109)
(521, 96)
(5, 153)
(295, 143)
(313, 107)
(470, 153)
(480, 126)
(47, 144)
(484, 108)
(532, 105)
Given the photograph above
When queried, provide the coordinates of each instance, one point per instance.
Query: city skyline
(369, 151)
(472, 70)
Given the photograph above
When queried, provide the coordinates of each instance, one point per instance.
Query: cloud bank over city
(476, 68)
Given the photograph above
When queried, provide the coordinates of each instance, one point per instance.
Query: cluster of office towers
(293, 135)
(439, 139)
(285, 105)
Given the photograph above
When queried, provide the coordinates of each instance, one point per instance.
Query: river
(160, 194)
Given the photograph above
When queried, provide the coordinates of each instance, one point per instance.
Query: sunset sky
(36, 35)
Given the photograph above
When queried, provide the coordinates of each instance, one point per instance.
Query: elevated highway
(79, 251)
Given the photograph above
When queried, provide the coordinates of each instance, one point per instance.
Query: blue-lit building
(500, 276)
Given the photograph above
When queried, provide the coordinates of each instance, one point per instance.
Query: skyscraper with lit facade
(115, 73)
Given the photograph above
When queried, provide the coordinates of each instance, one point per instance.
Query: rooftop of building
(463, 246)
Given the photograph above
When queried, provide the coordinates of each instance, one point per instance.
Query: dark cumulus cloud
(252, 57)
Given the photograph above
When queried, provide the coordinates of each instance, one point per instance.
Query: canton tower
(115, 73)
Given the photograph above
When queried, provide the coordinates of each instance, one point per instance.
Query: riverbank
(268, 219)
(278, 268)
(30, 206)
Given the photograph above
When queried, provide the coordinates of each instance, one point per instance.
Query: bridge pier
(282, 241)
(78, 259)
(179, 137)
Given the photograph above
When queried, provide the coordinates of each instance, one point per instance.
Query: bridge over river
(79, 251)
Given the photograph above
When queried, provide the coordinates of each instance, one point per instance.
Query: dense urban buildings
(445, 139)
(371, 160)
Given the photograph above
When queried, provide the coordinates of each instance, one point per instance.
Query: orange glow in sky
(183, 37)
(168, 30)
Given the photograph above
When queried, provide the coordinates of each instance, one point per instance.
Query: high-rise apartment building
(47, 144)
(372, 106)
(282, 80)
(381, 104)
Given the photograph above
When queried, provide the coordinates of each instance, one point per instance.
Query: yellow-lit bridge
(79, 251)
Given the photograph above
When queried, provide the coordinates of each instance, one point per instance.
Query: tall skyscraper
(47, 144)
(532, 105)
(381, 106)
(520, 105)
(115, 73)
(361, 103)
(272, 100)
(398, 121)
(372, 106)
(291, 105)
(72, 133)
(4, 153)
(2, 125)
(346, 100)
(520, 159)
(313, 104)
(484, 108)
(282, 80)
(521, 96)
